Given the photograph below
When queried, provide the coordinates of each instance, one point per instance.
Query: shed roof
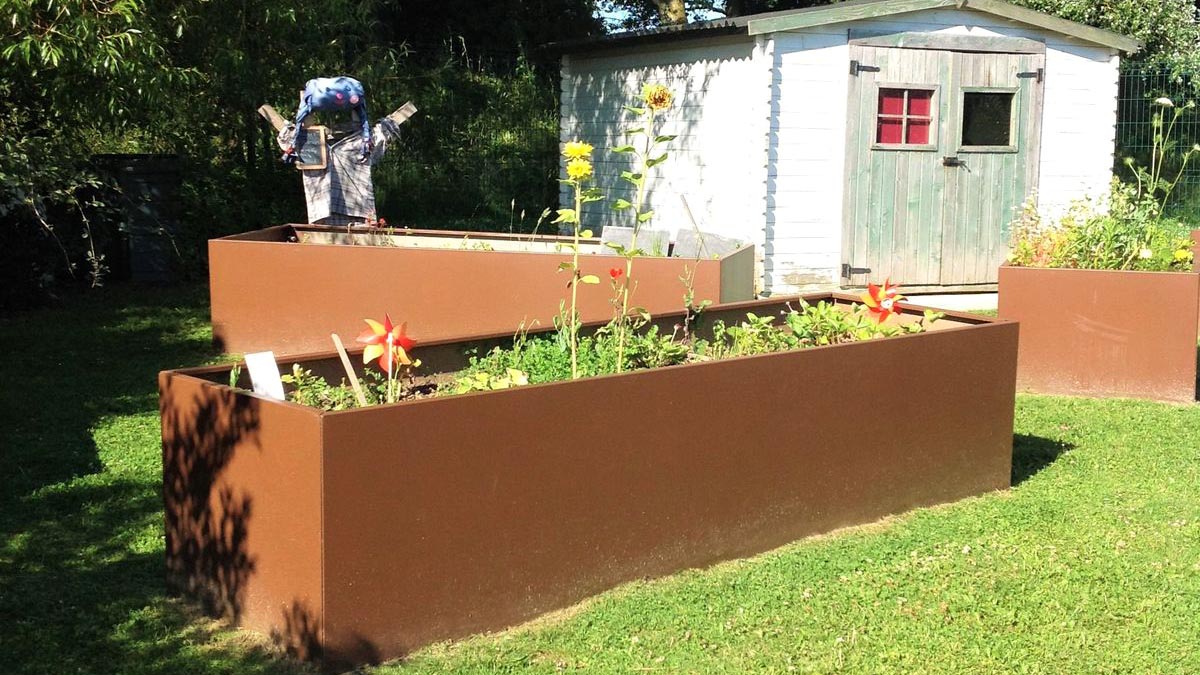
(850, 10)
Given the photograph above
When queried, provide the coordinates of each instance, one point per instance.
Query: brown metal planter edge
(1103, 332)
(360, 535)
(269, 293)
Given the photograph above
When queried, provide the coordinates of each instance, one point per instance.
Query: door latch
(952, 161)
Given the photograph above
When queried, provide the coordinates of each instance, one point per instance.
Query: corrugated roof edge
(851, 10)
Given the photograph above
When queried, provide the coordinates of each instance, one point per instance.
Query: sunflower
(577, 150)
(657, 96)
(579, 169)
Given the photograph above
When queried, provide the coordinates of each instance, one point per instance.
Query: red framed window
(904, 117)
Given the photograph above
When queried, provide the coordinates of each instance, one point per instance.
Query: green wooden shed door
(942, 151)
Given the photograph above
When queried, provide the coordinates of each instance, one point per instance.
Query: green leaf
(592, 194)
(655, 161)
(634, 109)
(565, 216)
(635, 178)
(666, 138)
(634, 132)
(620, 249)
(624, 148)
(643, 217)
(589, 279)
(564, 266)
(585, 234)
(621, 205)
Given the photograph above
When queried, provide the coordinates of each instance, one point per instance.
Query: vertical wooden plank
(987, 194)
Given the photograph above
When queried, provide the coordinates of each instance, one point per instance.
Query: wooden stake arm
(399, 115)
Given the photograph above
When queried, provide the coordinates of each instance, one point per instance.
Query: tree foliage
(89, 76)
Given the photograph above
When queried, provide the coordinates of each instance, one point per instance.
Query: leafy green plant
(649, 349)
(691, 308)
(655, 99)
(1151, 183)
(1124, 231)
(314, 391)
(826, 324)
(579, 171)
(755, 335)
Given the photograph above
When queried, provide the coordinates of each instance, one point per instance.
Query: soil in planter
(545, 357)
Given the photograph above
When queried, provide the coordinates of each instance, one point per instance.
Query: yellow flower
(657, 96)
(1183, 255)
(579, 169)
(577, 150)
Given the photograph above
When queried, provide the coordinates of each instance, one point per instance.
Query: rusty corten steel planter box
(361, 535)
(1104, 333)
(271, 293)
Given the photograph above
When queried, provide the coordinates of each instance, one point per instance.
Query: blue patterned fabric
(331, 94)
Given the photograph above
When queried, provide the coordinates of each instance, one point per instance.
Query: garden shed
(862, 140)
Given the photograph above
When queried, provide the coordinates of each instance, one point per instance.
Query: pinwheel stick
(341, 350)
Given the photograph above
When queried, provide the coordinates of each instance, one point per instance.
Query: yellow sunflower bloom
(657, 97)
(579, 169)
(577, 150)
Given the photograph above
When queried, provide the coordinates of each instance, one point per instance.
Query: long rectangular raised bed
(361, 535)
(1104, 333)
(286, 288)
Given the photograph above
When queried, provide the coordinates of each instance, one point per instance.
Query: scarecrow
(335, 159)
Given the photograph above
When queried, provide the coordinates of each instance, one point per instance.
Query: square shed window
(987, 119)
(904, 116)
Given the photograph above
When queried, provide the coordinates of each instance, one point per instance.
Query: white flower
(1164, 102)
(1145, 254)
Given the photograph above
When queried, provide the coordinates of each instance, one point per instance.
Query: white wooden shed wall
(722, 94)
(762, 130)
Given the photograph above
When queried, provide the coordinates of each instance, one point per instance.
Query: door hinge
(1040, 74)
(856, 68)
(848, 270)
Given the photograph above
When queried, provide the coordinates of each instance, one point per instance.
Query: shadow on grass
(82, 562)
(1031, 454)
(67, 368)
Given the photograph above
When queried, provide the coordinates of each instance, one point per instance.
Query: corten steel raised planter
(1104, 333)
(360, 535)
(271, 293)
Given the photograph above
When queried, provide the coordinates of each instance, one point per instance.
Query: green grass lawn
(1090, 564)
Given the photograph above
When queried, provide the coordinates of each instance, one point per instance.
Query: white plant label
(264, 375)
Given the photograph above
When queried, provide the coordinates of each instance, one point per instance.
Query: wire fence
(482, 150)
(1140, 86)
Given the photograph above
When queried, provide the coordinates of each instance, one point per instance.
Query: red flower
(881, 301)
(387, 343)
(616, 273)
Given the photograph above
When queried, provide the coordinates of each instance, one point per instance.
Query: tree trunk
(738, 8)
(671, 12)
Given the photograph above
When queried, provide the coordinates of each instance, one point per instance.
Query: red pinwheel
(881, 300)
(387, 343)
